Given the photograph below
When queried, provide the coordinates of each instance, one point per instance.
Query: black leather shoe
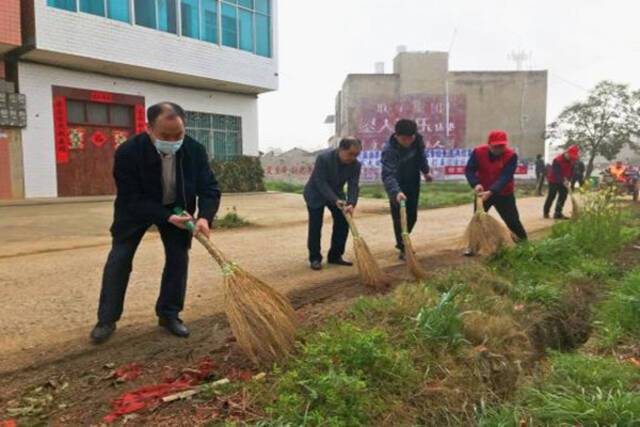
(340, 261)
(175, 326)
(560, 216)
(316, 265)
(468, 252)
(545, 216)
(102, 331)
(401, 256)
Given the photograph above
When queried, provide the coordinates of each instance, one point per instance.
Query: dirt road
(52, 258)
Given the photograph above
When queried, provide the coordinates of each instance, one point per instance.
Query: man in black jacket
(325, 187)
(156, 172)
(541, 172)
(403, 159)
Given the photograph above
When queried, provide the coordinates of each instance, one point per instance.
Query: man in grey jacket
(325, 187)
(403, 160)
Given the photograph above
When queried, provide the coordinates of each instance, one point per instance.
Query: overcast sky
(579, 42)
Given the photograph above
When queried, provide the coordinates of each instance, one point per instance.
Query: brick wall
(10, 22)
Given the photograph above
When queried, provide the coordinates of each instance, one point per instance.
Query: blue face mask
(168, 147)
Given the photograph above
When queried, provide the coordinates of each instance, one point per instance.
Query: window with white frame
(220, 134)
(239, 24)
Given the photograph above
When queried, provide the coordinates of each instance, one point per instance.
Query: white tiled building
(89, 68)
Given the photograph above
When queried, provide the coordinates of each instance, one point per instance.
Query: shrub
(240, 175)
(599, 229)
(284, 187)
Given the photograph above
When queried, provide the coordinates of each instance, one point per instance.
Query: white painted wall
(37, 138)
(100, 39)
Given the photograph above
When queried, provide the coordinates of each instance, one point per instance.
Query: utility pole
(446, 90)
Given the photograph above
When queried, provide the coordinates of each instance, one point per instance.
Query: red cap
(574, 153)
(497, 137)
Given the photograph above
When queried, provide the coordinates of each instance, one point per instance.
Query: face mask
(167, 147)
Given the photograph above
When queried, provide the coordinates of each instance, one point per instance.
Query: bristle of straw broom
(371, 274)
(410, 256)
(261, 319)
(485, 235)
(576, 208)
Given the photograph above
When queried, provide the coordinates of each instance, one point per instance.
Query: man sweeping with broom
(559, 178)
(155, 172)
(403, 160)
(325, 188)
(490, 172)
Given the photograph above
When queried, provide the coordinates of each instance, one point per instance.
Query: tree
(601, 125)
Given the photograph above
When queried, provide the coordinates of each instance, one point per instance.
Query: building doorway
(89, 126)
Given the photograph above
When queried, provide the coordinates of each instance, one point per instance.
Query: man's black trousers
(338, 237)
(412, 215)
(556, 190)
(508, 211)
(174, 277)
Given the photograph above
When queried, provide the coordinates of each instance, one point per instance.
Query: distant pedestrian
(578, 174)
(541, 171)
(403, 160)
(325, 188)
(559, 178)
(490, 172)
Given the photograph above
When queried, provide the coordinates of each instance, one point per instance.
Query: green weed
(442, 323)
(618, 317)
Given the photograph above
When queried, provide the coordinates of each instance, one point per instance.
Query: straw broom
(261, 319)
(485, 235)
(412, 261)
(370, 272)
(576, 208)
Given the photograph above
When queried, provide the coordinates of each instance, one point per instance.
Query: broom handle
(479, 204)
(352, 224)
(213, 251)
(403, 217)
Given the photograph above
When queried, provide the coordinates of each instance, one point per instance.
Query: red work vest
(566, 169)
(489, 171)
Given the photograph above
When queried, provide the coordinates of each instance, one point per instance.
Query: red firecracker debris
(238, 375)
(128, 372)
(9, 423)
(151, 395)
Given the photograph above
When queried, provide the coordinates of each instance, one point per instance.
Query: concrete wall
(93, 43)
(421, 72)
(36, 81)
(357, 87)
(512, 101)
(293, 166)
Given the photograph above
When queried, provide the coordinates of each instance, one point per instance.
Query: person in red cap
(559, 178)
(490, 171)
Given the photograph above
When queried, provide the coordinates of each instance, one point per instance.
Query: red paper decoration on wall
(99, 139)
(140, 118)
(119, 136)
(61, 133)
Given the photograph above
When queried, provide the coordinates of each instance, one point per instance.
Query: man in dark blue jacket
(156, 172)
(403, 160)
(325, 187)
